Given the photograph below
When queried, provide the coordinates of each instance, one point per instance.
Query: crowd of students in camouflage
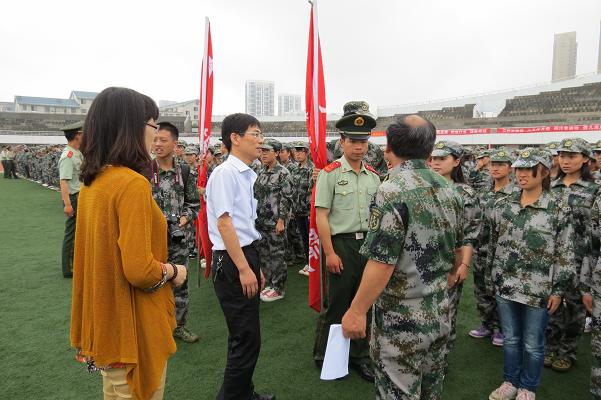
(561, 230)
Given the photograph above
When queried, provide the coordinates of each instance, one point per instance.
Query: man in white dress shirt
(237, 277)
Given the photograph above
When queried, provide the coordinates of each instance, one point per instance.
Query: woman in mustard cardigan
(122, 314)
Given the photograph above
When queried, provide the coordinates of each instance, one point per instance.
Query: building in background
(565, 50)
(78, 103)
(259, 98)
(290, 104)
(7, 106)
(173, 109)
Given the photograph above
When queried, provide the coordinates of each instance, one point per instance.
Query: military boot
(181, 332)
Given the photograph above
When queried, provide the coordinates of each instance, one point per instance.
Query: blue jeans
(524, 346)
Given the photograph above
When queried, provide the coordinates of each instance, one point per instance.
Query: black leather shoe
(319, 363)
(364, 371)
(257, 396)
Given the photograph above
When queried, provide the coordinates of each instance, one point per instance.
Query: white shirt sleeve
(221, 192)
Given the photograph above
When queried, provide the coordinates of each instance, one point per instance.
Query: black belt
(252, 245)
(353, 235)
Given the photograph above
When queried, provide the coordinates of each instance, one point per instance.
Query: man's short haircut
(411, 137)
(71, 134)
(168, 126)
(236, 123)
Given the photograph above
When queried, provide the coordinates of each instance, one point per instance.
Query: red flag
(315, 101)
(204, 135)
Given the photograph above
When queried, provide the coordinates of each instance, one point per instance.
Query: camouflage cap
(551, 147)
(217, 149)
(271, 144)
(301, 145)
(575, 145)
(288, 146)
(597, 146)
(531, 157)
(446, 147)
(483, 153)
(181, 143)
(501, 155)
(75, 126)
(356, 122)
(192, 150)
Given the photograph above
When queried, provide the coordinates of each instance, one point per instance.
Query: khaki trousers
(114, 385)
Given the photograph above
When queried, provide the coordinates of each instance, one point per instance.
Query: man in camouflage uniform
(415, 228)
(191, 158)
(286, 156)
(294, 248)
(273, 191)
(174, 190)
(566, 325)
(486, 304)
(479, 178)
(302, 189)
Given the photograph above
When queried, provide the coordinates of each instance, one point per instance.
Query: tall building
(289, 104)
(565, 51)
(259, 97)
(599, 62)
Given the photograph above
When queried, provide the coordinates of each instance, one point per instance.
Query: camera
(174, 232)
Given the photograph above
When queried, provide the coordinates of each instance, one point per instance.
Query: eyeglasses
(155, 127)
(256, 135)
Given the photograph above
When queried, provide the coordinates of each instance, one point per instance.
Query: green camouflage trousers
(596, 349)
(178, 254)
(566, 326)
(454, 297)
(486, 302)
(272, 250)
(408, 345)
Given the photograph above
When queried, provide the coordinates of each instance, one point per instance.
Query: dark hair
(585, 172)
(114, 131)
(71, 134)
(411, 142)
(236, 123)
(540, 167)
(457, 173)
(169, 127)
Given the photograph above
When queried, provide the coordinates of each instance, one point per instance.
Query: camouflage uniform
(590, 283)
(416, 225)
(472, 216)
(483, 285)
(190, 229)
(273, 190)
(179, 198)
(301, 199)
(566, 324)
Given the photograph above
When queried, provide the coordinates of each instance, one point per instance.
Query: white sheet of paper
(335, 362)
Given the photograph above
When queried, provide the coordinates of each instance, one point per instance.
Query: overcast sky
(383, 51)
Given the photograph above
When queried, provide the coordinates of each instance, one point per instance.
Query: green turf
(38, 362)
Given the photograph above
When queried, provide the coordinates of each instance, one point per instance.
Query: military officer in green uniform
(344, 190)
(69, 166)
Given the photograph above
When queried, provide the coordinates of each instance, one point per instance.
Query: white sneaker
(203, 264)
(272, 295)
(524, 394)
(588, 325)
(305, 270)
(504, 392)
(266, 290)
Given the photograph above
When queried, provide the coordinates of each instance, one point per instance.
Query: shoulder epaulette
(370, 168)
(331, 167)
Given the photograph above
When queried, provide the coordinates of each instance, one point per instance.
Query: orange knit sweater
(120, 241)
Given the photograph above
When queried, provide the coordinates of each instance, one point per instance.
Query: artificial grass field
(38, 363)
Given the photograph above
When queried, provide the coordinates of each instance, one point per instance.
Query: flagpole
(315, 71)
(203, 93)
